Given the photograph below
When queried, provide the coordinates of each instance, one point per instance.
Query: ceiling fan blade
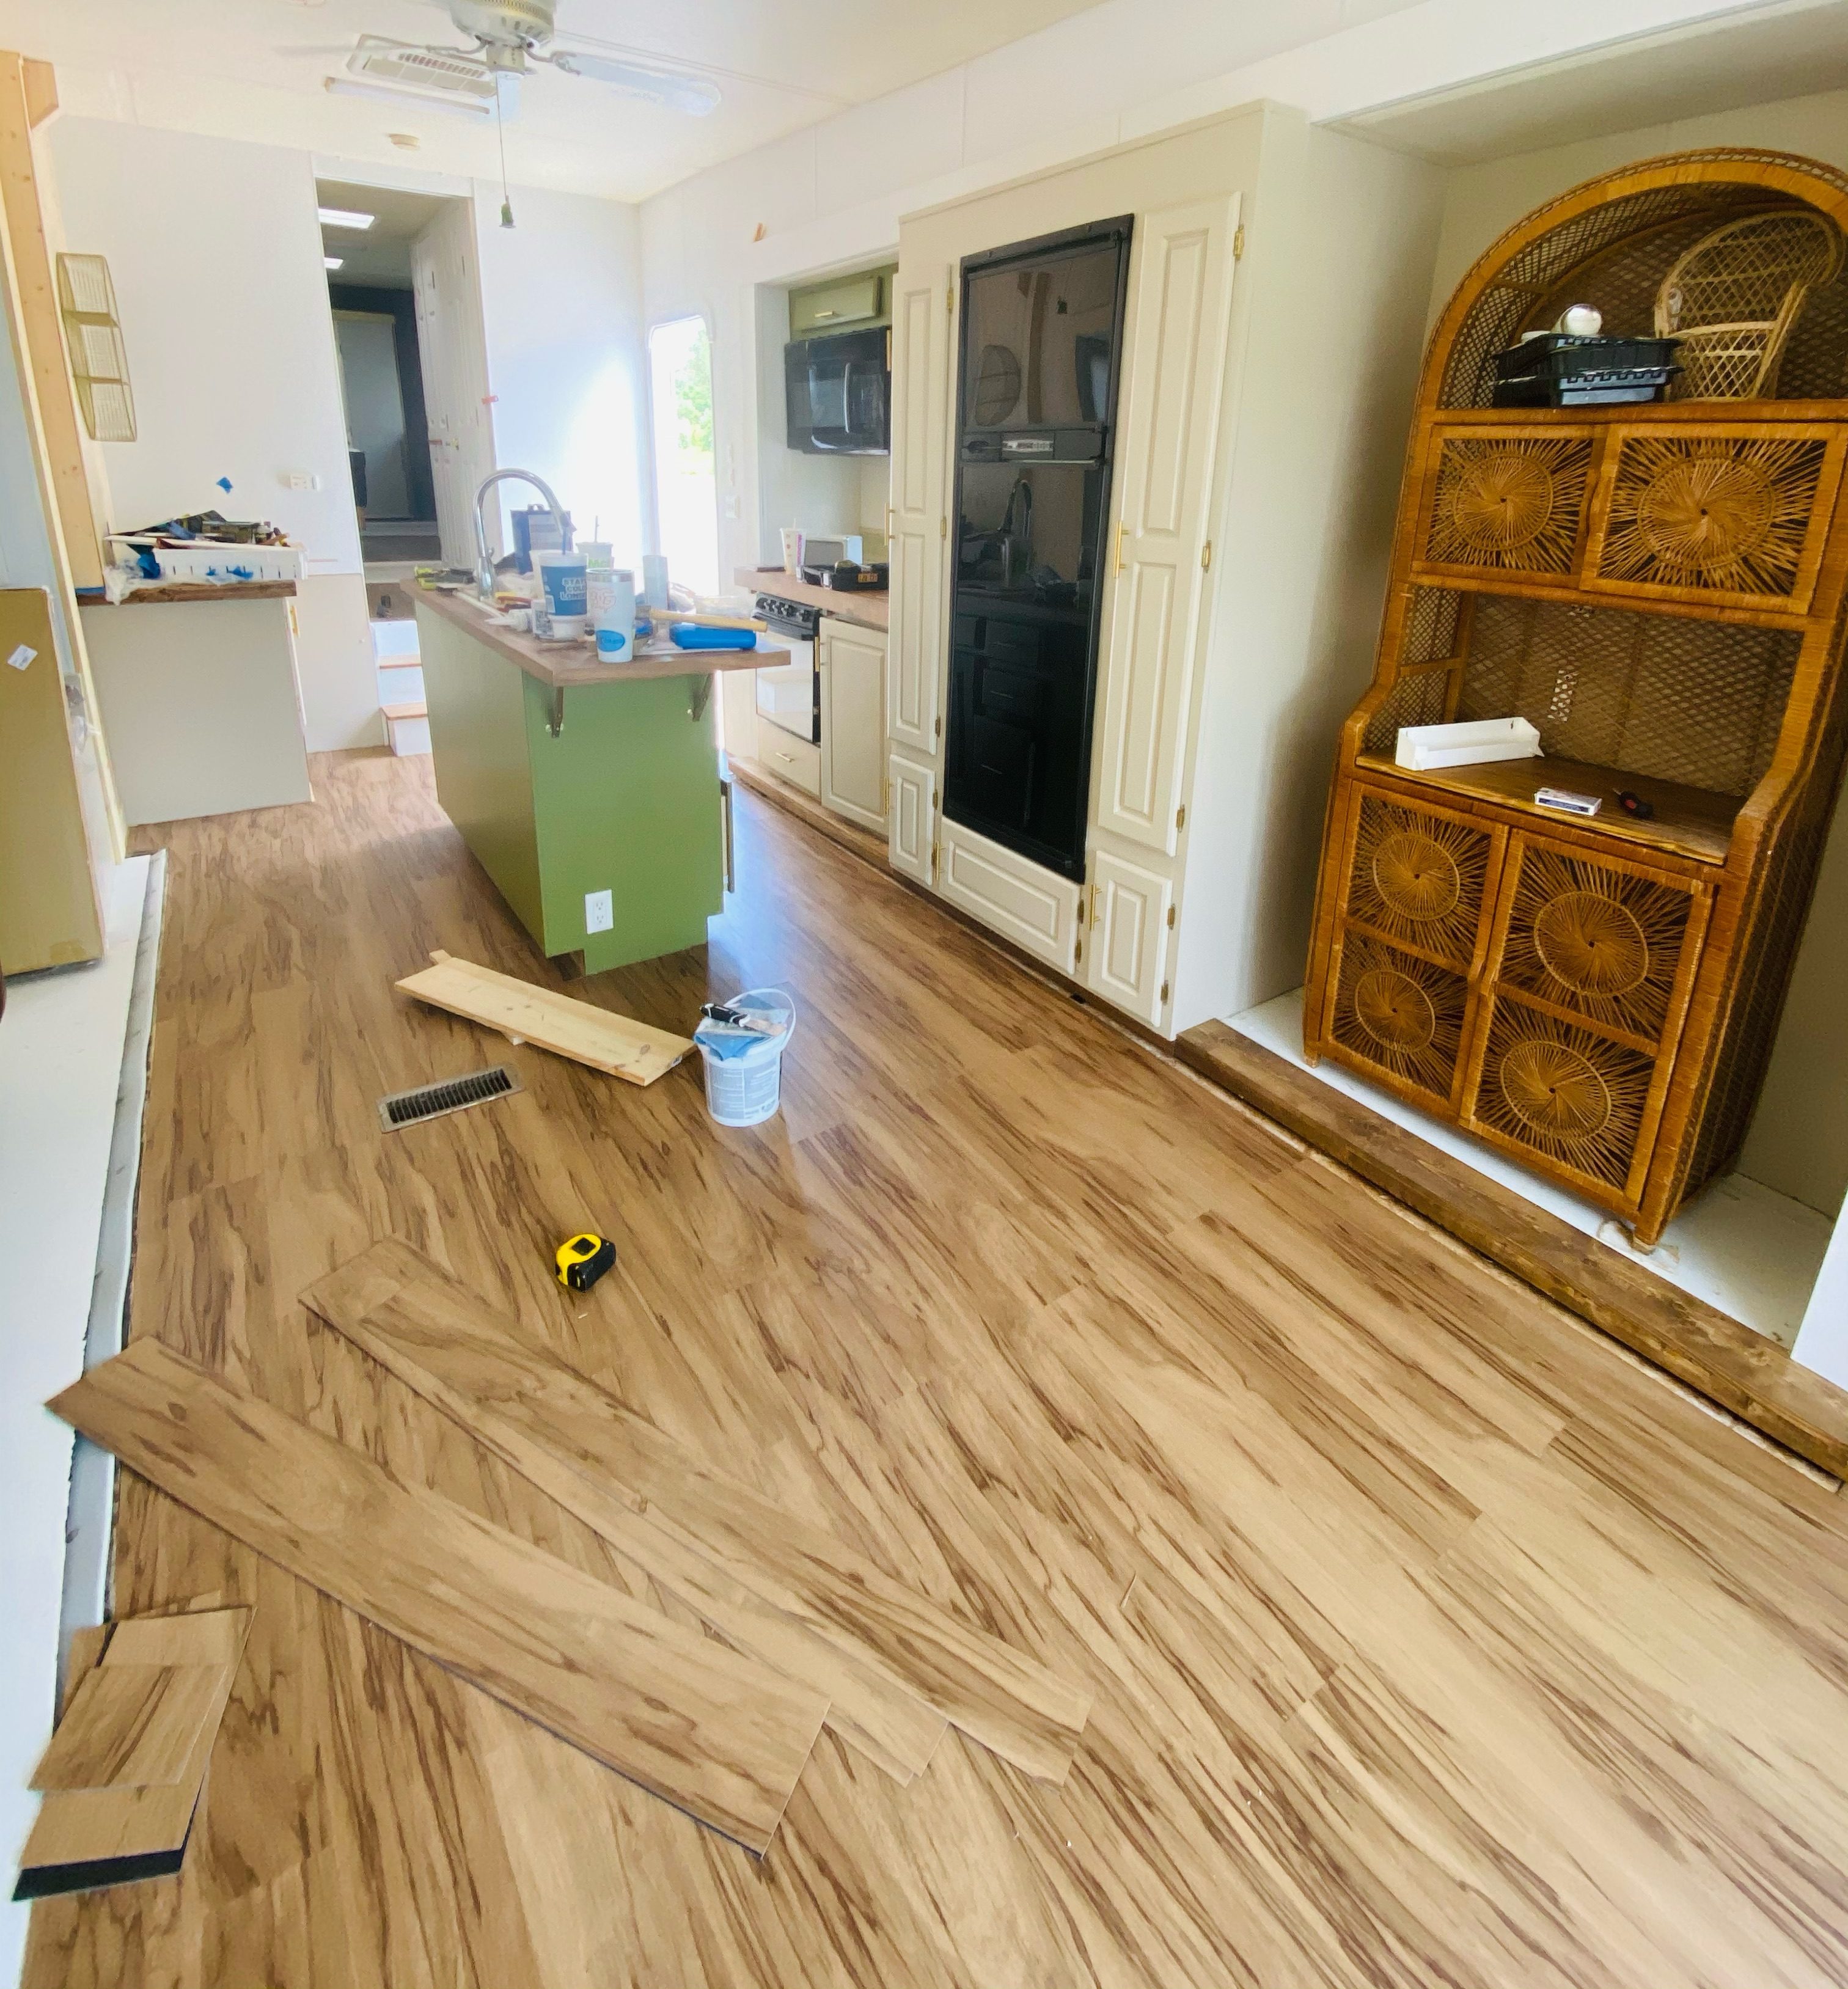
(678, 89)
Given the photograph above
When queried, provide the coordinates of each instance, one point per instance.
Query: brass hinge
(1097, 903)
(1078, 950)
(935, 846)
(1164, 994)
(943, 527)
(939, 724)
(1170, 918)
(949, 299)
(1206, 556)
(1238, 242)
(1180, 816)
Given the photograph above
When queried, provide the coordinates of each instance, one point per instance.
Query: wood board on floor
(86, 1838)
(615, 1044)
(474, 1362)
(129, 1725)
(715, 1733)
(878, 1714)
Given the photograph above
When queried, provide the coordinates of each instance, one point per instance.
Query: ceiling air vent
(451, 1094)
(461, 73)
(99, 361)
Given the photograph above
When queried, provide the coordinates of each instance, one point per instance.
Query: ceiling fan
(509, 35)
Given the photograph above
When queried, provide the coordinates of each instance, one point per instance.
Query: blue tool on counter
(691, 635)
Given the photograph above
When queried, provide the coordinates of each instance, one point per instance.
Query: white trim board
(1752, 1253)
(61, 1053)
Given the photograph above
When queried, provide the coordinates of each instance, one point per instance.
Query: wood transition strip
(1717, 1356)
(552, 1424)
(714, 1733)
(524, 1013)
(87, 1837)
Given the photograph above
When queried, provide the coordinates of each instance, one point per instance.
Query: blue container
(690, 635)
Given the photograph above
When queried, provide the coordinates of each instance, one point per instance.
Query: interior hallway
(1433, 1638)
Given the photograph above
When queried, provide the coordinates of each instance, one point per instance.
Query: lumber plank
(1009, 1702)
(613, 1044)
(884, 1719)
(129, 1725)
(82, 1838)
(714, 1733)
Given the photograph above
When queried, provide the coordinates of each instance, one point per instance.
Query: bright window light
(334, 261)
(345, 217)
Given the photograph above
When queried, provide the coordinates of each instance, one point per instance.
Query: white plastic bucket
(746, 1090)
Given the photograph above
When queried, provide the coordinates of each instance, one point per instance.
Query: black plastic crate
(1559, 355)
(1584, 390)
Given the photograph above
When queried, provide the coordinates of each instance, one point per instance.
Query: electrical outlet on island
(599, 911)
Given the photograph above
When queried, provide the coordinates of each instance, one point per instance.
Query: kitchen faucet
(484, 565)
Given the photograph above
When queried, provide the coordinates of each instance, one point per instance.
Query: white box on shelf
(1423, 748)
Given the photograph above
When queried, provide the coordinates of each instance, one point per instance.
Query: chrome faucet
(484, 565)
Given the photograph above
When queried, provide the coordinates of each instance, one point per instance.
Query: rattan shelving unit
(1659, 589)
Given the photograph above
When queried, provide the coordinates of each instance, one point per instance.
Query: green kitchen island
(570, 778)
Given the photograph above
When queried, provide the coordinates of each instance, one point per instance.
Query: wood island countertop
(872, 610)
(562, 665)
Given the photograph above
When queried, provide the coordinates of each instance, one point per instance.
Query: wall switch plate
(300, 479)
(599, 911)
(732, 507)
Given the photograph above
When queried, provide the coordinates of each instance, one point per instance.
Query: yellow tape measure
(583, 1259)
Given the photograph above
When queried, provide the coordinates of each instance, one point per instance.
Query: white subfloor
(1742, 1247)
(61, 1043)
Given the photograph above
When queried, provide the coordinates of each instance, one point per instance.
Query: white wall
(1799, 1140)
(223, 302)
(561, 297)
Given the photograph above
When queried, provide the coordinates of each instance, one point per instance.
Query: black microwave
(838, 393)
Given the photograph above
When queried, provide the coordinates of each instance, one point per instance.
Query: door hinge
(1164, 994)
(1180, 816)
(1206, 556)
(1238, 242)
(1170, 918)
(943, 527)
(1097, 903)
(1078, 950)
(949, 299)
(937, 722)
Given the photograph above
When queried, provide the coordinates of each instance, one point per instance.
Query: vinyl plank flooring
(721, 1738)
(1432, 1639)
(129, 1726)
(413, 1318)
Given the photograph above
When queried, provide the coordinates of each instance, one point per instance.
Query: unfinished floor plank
(414, 1317)
(885, 1720)
(129, 1725)
(613, 1044)
(86, 1838)
(711, 1732)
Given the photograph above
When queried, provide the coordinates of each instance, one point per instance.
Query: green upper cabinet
(842, 303)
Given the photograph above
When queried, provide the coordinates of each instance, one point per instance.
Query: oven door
(838, 393)
(789, 696)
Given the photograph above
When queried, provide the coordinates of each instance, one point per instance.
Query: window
(680, 364)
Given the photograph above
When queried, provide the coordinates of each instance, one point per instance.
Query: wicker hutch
(1658, 588)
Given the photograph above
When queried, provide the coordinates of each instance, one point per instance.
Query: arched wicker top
(1614, 235)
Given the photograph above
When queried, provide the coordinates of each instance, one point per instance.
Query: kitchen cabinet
(911, 818)
(1132, 909)
(842, 304)
(853, 663)
(1035, 908)
(921, 444)
(1174, 366)
(793, 759)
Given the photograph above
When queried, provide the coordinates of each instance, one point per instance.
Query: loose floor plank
(887, 1721)
(433, 1332)
(712, 1732)
(610, 1043)
(129, 1725)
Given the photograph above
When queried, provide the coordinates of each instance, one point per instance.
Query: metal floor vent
(449, 1094)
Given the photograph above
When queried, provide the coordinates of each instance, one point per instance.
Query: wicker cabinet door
(1419, 883)
(1509, 502)
(1733, 514)
(1591, 963)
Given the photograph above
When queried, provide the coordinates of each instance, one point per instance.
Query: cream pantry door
(1180, 315)
(921, 323)
(853, 729)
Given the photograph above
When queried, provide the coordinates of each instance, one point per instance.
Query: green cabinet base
(624, 799)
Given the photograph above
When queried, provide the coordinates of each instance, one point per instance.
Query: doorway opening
(687, 513)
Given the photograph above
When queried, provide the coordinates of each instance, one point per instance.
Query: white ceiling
(255, 69)
(1795, 49)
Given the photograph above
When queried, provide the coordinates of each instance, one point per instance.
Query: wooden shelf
(1688, 822)
(1639, 412)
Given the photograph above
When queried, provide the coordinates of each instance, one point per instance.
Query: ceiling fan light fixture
(334, 261)
(674, 89)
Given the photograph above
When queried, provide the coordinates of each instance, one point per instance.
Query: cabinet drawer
(795, 760)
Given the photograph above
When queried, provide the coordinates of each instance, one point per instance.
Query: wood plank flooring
(1432, 1639)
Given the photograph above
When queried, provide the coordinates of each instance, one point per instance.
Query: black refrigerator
(1036, 427)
